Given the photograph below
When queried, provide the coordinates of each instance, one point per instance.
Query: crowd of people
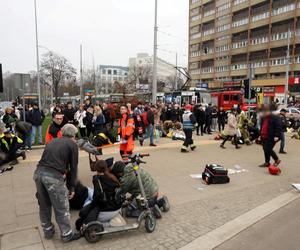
(100, 124)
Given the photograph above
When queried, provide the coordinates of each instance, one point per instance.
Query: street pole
(251, 74)
(154, 84)
(176, 73)
(37, 57)
(81, 79)
(287, 63)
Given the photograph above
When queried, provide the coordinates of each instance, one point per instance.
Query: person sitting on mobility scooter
(94, 229)
(104, 206)
(130, 184)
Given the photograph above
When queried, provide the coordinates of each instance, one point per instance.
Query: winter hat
(118, 167)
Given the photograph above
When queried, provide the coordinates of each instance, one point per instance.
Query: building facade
(226, 37)
(107, 75)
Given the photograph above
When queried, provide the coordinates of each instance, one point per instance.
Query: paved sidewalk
(196, 208)
(277, 231)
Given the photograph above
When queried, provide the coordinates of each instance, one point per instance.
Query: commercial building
(107, 75)
(226, 37)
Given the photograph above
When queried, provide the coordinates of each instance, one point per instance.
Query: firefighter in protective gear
(9, 144)
(126, 131)
(243, 124)
(188, 123)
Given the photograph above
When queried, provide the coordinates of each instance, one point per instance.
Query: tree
(57, 69)
(139, 75)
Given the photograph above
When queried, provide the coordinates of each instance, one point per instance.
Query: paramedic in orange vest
(126, 130)
(54, 129)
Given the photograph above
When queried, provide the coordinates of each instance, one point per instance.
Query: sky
(110, 31)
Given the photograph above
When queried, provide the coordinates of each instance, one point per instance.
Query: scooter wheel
(150, 223)
(91, 233)
(166, 206)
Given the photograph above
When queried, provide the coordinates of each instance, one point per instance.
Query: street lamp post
(37, 57)
(286, 87)
(154, 83)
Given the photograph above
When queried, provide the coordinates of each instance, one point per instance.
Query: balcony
(260, 16)
(195, 18)
(240, 22)
(239, 5)
(195, 36)
(282, 13)
(195, 54)
(238, 66)
(261, 67)
(195, 72)
(279, 39)
(207, 70)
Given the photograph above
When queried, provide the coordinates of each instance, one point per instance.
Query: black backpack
(215, 174)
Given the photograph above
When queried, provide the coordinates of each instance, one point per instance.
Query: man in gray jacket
(58, 163)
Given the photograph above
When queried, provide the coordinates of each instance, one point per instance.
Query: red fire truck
(229, 98)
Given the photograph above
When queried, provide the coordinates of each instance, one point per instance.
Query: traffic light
(1, 79)
(246, 84)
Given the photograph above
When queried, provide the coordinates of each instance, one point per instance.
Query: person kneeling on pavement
(104, 206)
(9, 146)
(129, 184)
(59, 159)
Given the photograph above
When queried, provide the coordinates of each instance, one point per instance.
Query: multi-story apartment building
(107, 75)
(226, 37)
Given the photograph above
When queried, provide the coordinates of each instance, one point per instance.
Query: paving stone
(20, 239)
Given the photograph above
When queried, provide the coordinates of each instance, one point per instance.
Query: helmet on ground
(274, 170)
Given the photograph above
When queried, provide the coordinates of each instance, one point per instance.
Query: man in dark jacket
(176, 114)
(271, 128)
(200, 117)
(69, 113)
(208, 119)
(284, 123)
(59, 160)
(150, 127)
(36, 118)
(221, 119)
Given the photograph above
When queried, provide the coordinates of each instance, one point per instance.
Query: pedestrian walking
(188, 122)
(284, 124)
(58, 163)
(271, 129)
(231, 131)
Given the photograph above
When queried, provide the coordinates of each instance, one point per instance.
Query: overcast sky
(110, 30)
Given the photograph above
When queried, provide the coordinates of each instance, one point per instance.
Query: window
(208, 32)
(103, 71)
(195, 36)
(208, 13)
(109, 71)
(115, 72)
(223, 17)
(240, 44)
(195, 1)
(223, 37)
(222, 48)
(235, 98)
(226, 97)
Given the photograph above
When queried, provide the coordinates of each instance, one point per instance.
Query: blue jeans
(151, 133)
(282, 141)
(26, 140)
(40, 138)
